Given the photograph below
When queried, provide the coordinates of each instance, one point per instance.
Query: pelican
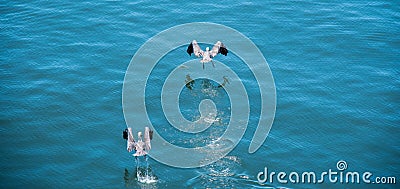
(207, 55)
(141, 147)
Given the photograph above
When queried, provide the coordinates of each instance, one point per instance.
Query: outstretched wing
(195, 49)
(148, 135)
(219, 47)
(130, 145)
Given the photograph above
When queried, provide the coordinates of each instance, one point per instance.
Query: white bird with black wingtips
(207, 55)
(141, 147)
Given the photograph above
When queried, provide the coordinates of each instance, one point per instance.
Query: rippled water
(335, 65)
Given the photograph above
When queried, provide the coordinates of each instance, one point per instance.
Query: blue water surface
(335, 66)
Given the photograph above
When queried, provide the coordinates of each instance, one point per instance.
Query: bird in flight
(207, 55)
(141, 147)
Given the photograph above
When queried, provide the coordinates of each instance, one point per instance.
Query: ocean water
(335, 66)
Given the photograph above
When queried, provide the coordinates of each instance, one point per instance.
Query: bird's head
(139, 134)
(207, 48)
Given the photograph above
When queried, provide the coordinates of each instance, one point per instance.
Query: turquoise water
(335, 66)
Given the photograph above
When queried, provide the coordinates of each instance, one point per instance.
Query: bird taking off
(141, 147)
(207, 55)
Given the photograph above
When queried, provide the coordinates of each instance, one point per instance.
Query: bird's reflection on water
(205, 84)
(189, 82)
